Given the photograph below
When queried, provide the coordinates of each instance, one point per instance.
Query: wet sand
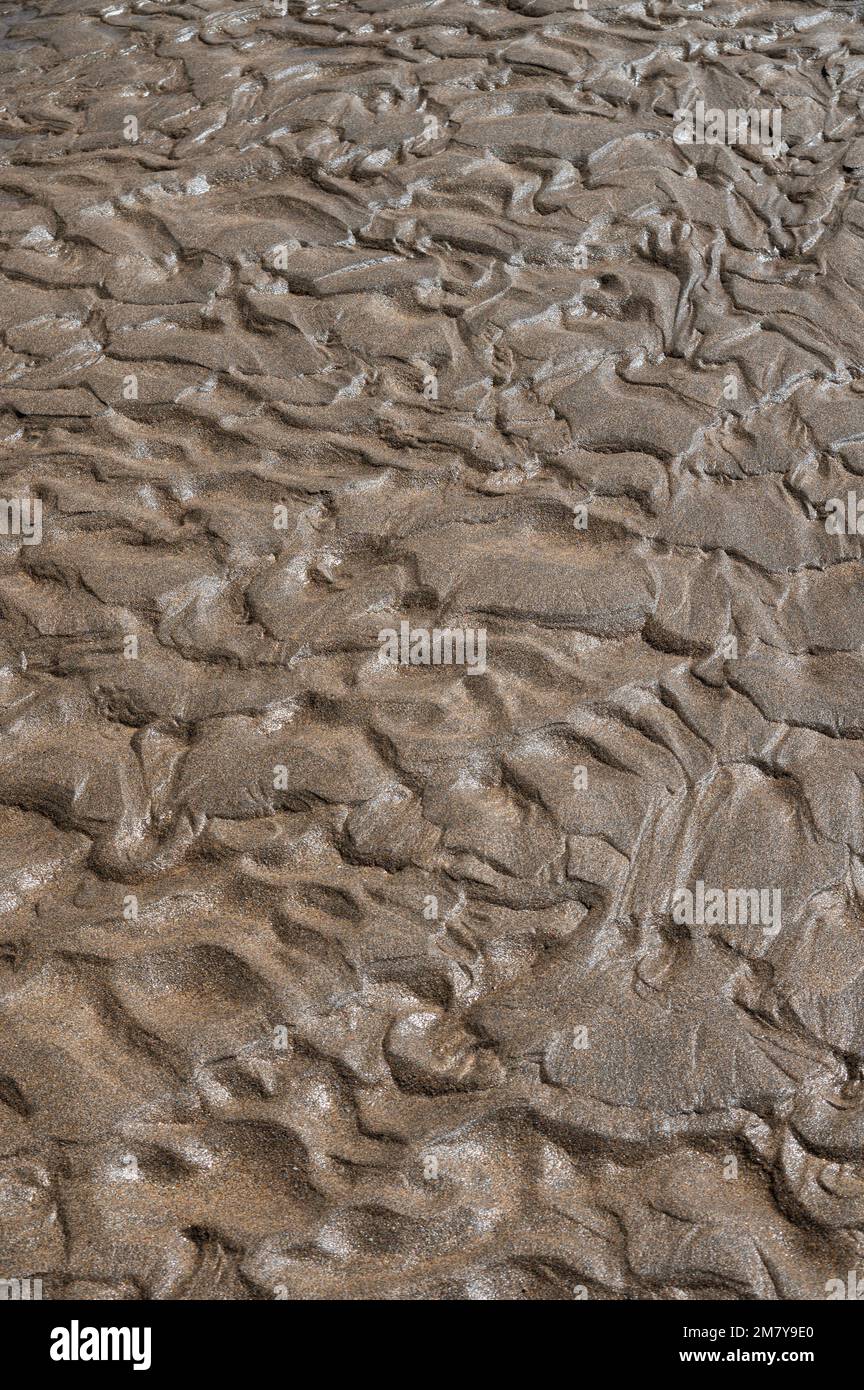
(338, 969)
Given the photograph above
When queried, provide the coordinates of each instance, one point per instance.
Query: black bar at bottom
(197, 1338)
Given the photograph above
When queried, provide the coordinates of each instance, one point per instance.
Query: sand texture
(329, 973)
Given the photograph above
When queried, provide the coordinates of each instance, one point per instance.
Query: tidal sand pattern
(431, 649)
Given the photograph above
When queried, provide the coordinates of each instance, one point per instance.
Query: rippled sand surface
(323, 976)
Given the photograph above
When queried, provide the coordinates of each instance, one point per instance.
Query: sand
(431, 817)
